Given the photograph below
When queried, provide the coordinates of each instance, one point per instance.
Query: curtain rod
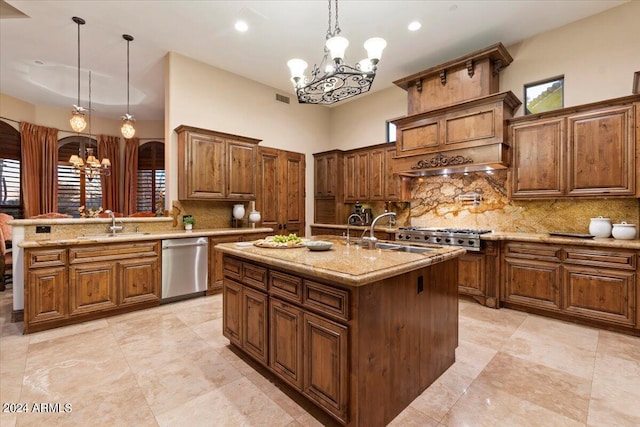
(78, 133)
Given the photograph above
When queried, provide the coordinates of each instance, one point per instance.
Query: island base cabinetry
(360, 353)
(71, 285)
(596, 286)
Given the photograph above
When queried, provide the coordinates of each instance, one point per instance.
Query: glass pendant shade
(78, 121)
(337, 46)
(374, 47)
(127, 129)
(297, 67)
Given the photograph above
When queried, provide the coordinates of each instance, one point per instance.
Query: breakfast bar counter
(359, 332)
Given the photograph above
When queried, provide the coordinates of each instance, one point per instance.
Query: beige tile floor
(171, 366)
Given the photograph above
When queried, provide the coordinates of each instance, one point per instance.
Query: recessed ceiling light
(414, 26)
(241, 26)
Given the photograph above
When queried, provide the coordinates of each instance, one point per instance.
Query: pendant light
(127, 128)
(78, 121)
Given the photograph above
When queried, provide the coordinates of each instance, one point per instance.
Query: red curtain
(109, 147)
(131, 149)
(39, 151)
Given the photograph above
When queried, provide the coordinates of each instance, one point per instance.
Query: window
(391, 132)
(75, 190)
(151, 177)
(544, 95)
(10, 191)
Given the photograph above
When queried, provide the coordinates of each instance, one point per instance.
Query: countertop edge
(156, 235)
(546, 238)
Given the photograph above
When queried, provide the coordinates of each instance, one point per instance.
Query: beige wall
(204, 96)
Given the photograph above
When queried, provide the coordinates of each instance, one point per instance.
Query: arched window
(151, 177)
(76, 190)
(10, 193)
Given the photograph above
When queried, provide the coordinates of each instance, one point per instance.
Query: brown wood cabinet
(73, 284)
(215, 165)
(584, 151)
(596, 285)
(216, 267)
(281, 199)
(327, 167)
(285, 342)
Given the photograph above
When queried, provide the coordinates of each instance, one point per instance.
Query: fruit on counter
(292, 239)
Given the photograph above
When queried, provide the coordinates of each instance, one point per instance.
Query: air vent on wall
(282, 98)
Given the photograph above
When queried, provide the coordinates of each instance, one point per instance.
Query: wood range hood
(456, 118)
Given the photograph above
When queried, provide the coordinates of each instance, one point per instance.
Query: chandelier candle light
(334, 80)
(77, 121)
(127, 128)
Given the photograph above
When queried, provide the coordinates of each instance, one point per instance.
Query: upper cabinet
(369, 177)
(215, 165)
(582, 151)
(327, 169)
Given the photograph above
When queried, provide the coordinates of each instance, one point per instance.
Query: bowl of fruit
(281, 241)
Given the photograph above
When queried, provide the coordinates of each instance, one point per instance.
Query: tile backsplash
(435, 202)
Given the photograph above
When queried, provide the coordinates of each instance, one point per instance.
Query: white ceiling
(38, 61)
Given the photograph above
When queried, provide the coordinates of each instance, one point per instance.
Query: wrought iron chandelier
(90, 166)
(334, 80)
(78, 121)
(127, 128)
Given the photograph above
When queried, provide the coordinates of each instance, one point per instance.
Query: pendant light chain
(337, 30)
(78, 64)
(128, 75)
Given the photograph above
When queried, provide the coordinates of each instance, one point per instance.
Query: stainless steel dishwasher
(184, 267)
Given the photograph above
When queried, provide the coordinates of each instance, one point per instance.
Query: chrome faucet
(114, 228)
(371, 240)
(353, 215)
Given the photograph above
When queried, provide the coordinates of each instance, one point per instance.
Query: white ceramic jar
(254, 216)
(600, 227)
(238, 211)
(624, 231)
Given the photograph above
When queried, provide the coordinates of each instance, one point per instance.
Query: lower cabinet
(593, 284)
(254, 325)
(285, 342)
(73, 284)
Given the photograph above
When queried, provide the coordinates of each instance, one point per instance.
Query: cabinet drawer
(233, 268)
(113, 251)
(46, 258)
(255, 276)
(621, 260)
(328, 300)
(533, 251)
(286, 286)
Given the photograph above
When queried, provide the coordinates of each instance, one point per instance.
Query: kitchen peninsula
(359, 332)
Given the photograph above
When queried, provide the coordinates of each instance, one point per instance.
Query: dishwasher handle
(186, 245)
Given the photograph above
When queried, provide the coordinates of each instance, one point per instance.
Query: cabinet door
(204, 167)
(362, 175)
(377, 174)
(268, 199)
(471, 277)
(92, 287)
(241, 166)
(532, 283)
(139, 280)
(292, 192)
(396, 188)
(216, 266)
(232, 311)
(602, 152)
(254, 325)
(601, 294)
(325, 364)
(538, 159)
(46, 294)
(350, 178)
(325, 175)
(285, 342)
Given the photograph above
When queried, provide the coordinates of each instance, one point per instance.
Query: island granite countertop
(347, 265)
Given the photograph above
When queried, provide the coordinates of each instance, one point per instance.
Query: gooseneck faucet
(114, 228)
(371, 240)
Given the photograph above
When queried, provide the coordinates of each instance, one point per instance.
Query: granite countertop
(523, 237)
(346, 265)
(155, 235)
(386, 229)
(546, 238)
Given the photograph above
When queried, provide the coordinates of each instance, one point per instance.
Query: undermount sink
(104, 235)
(403, 248)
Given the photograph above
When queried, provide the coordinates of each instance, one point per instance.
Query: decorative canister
(600, 227)
(254, 216)
(624, 231)
(238, 211)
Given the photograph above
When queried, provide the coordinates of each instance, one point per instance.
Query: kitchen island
(359, 332)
